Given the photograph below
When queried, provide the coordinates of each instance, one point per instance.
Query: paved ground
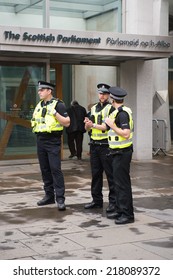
(31, 232)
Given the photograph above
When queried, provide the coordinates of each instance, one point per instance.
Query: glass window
(18, 95)
(98, 15)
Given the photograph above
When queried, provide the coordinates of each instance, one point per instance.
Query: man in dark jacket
(76, 130)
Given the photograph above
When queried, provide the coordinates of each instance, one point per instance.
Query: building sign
(137, 42)
(51, 38)
(73, 42)
(60, 38)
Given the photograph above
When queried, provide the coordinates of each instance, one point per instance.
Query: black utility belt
(121, 150)
(53, 133)
(95, 143)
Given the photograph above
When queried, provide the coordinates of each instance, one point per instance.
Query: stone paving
(30, 232)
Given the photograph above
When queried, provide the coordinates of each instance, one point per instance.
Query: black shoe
(113, 215)
(124, 220)
(71, 156)
(61, 206)
(111, 208)
(92, 205)
(46, 200)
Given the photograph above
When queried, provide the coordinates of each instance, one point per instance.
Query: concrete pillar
(149, 17)
(136, 78)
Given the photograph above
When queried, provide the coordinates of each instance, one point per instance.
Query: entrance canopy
(76, 47)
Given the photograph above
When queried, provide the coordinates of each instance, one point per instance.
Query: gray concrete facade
(137, 77)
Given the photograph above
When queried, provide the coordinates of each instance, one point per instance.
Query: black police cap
(103, 88)
(42, 84)
(117, 93)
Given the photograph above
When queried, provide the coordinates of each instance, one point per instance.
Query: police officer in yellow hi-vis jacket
(120, 135)
(49, 118)
(99, 160)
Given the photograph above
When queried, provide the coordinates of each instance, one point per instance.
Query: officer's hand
(109, 122)
(88, 124)
(86, 119)
(54, 112)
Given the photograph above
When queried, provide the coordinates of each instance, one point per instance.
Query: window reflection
(18, 95)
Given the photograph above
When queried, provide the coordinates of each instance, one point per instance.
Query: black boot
(111, 208)
(46, 200)
(113, 215)
(92, 205)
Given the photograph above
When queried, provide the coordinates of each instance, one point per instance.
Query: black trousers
(122, 181)
(75, 143)
(48, 151)
(100, 162)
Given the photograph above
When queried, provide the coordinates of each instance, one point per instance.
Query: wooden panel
(15, 120)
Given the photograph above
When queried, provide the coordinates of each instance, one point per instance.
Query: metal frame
(159, 136)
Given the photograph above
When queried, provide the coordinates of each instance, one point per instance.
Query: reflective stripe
(42, 120)
(118, 143)
(39, 121)
(112, 133)
(100, 135)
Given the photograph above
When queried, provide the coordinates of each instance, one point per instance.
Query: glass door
(18, 98)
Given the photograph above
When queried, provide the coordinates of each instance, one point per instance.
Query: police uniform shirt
(122, 119)
(61, 109)
(100, 106)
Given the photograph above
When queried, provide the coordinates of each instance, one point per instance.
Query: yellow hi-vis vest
(96, 133)
(47, 123)
(116, 141)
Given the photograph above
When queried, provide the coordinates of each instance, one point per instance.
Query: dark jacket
(77, 114)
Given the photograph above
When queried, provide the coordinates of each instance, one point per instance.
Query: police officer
(99, 160)
(121, 148)
(49, 118)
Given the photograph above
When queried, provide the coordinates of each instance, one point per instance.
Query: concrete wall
(136, 78)
(160, 69)
(105, 22)
(143, 79)
(138, 16)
